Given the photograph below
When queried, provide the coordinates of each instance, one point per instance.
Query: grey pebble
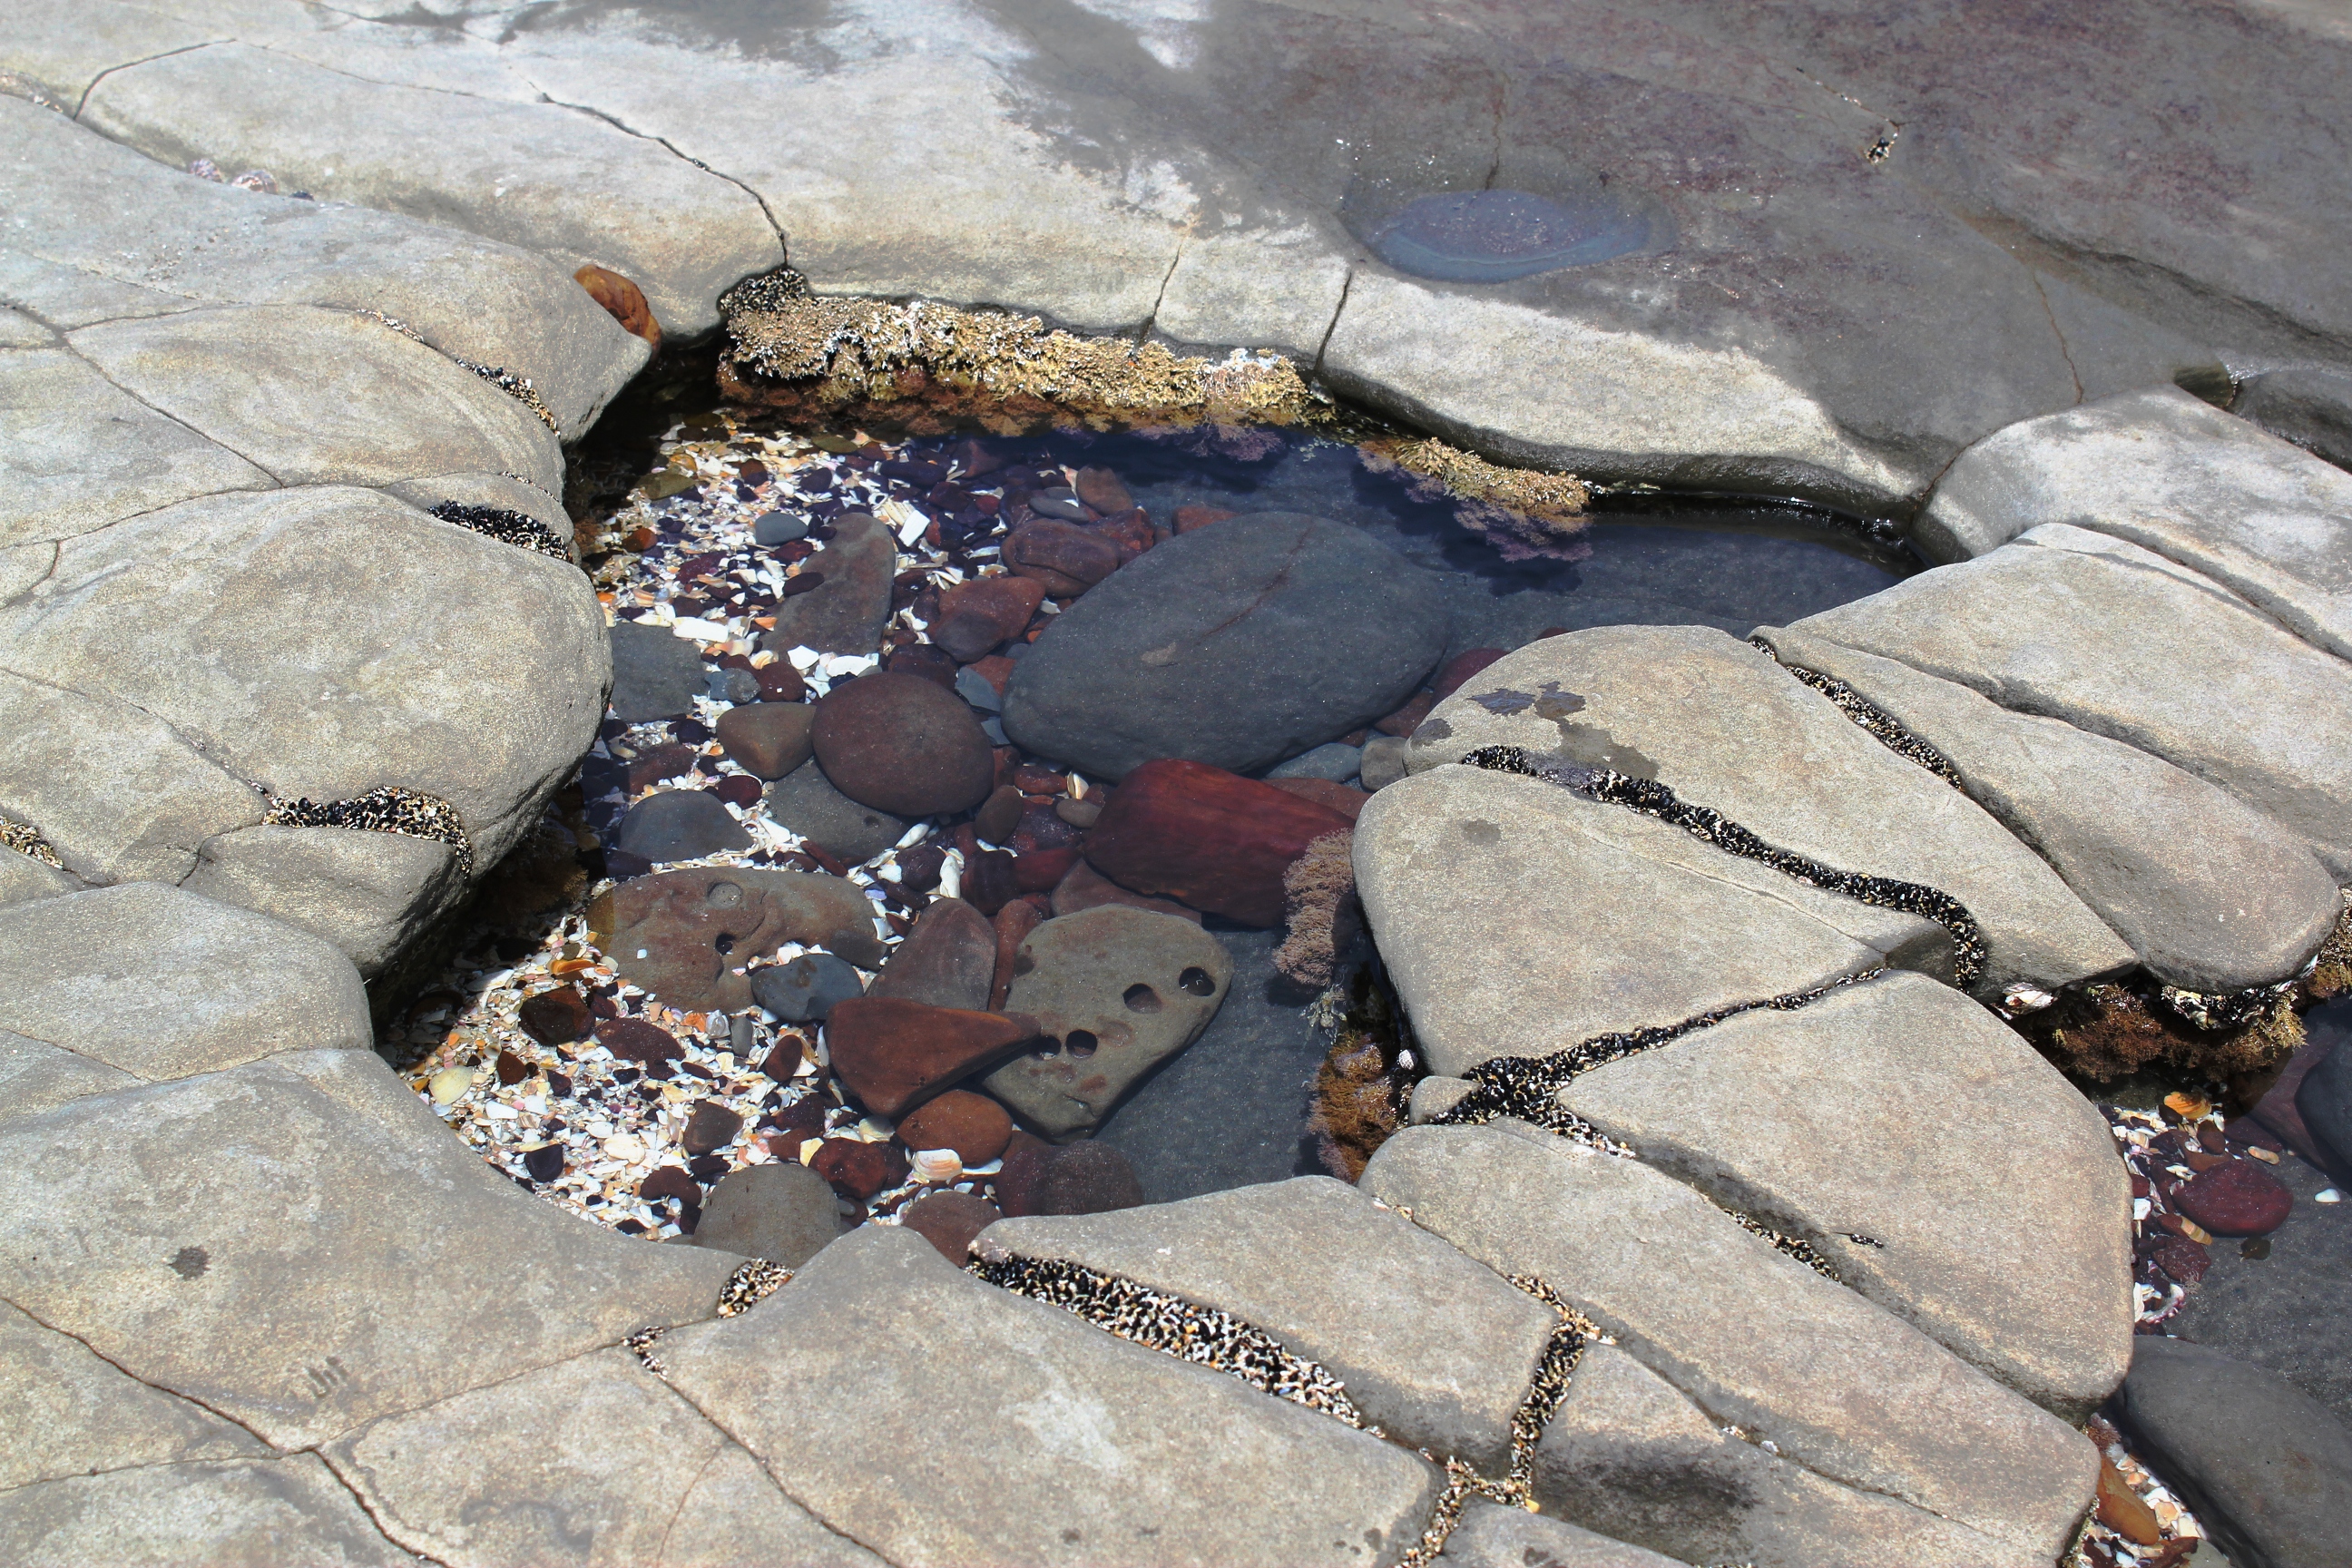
(777, 527)
(1334, 762)
(974, 689)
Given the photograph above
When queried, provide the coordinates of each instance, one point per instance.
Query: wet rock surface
(1238, 646)
(806, 802)
(783, 1213)
(1214, 840)
(900, 744)
(675, 933)
(844, 612)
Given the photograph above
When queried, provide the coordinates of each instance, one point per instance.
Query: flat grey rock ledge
(1434, 1349)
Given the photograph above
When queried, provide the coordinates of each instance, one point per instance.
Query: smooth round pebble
(807, 988)
(2237, 1198)
(679, 825)
(899, 743)
(778, 528)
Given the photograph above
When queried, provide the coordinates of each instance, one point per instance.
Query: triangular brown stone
(893, 1055)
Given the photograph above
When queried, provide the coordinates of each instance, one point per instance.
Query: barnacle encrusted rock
(927, 366)
(1524, 512)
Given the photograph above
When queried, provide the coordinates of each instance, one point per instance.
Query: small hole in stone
(1141, 998)
(1022, 963)
(1196, 981)
(1079, 1043)
(725, 944)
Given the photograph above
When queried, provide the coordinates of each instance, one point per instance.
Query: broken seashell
(937, 1166)
(2187, 1106)
(2023, 998)
(449, 1083)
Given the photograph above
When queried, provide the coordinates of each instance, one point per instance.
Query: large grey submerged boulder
(2212, 894)
(1517, 919)
(2116, 639)
(161, 983)
(1118, 990)
(325, 641)
(301, 1245)
(2267, 1469)
(196, 1514)
(2172, 473)
(1237, 646)
(1955, 1223)
(1723, 726)
(1489, 1535)
(1628, 1455)
(589, 1460)
(1095, 1450)
(96, 231)
(1434, 1348)
(1756, 1339)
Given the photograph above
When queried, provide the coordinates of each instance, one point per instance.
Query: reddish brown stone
(996, 820)
(784, 1061)
(1042, 870)
(780, 682)
(946, 960)
(900, 744)
(858, 1170)
(918, 869)
(988, 881)
(1130, 533)
(893, 1055)
(1407, 718)
(670, 1182)
(738, 789)
(664, 761)
(1014, 924)
(1102, 490)
(511, 1068)
(1039, 778)
(2236, 1198)
(2182, 1261)
(766, 740)
(974, 1125)
(1215, 840)
(1188, 518)
(974, 616)
(711, 1127)
(638, 1041)
(1085, 887)
(1062, 557)
(1461, 668)
(554, 1017)
(1079, 1178)
(1042, 828)
(925, 662)
(949, 1221)
(1345, 799)
(794, 1125)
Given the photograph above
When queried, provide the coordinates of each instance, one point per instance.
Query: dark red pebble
(2182, 1261)
(637, 1040)
(669, 1182)
(737, 789)
(544, 1163)
(2238, 1198)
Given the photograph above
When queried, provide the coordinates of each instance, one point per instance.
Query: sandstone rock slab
(133, 977)
(685, 935)
(1118, 990)
(1738, 1111)
(1628, 1455)
(72, 1414)
(370, 894)
(2115, 639)
(99, 230)
(118, 794)
(1466, 874)
(194, 1515)
(540, 176)
(1838, 1384)
(2212, 894)
(1093, 1450)
(1434, 1348)
(321, 397)
(2176, 475)
(301, 1245)
(1237, 647)
(341, 649)
(1721, 725)
(77, 452)
(895, 1055)
(1492, 1536)
(35, 1076)
(805, 802)
(590, 1462)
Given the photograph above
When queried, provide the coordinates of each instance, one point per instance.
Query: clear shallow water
(1653, 560)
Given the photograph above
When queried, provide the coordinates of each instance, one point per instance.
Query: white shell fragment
(937, 1166)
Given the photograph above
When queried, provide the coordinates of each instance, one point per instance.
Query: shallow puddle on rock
(746, 527)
